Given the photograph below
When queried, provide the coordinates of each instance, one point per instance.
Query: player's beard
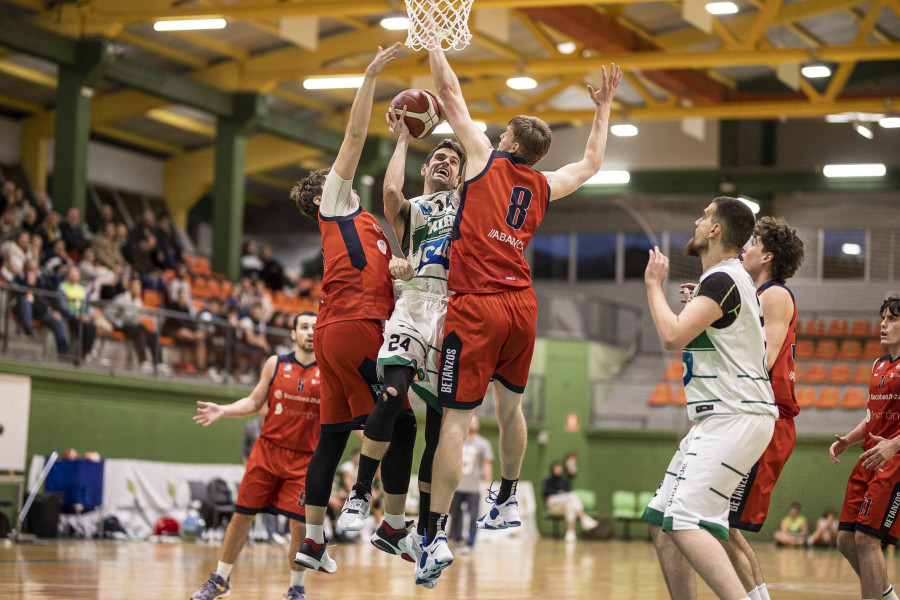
(693, 248)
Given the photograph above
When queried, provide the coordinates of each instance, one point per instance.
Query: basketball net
(435, 24)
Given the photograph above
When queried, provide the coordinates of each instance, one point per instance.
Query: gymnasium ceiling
(741, 66)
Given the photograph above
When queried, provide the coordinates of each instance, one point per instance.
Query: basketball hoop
(437, 24)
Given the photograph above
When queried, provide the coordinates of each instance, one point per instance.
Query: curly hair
(779, 238)
(892, 305)
(306, 190)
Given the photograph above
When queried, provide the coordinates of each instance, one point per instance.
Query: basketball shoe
(355, 511)
(296, 592)
(436, 557)
(315, 556)
(414, 543)
(501, 516)
(393, 541)
(215, 587)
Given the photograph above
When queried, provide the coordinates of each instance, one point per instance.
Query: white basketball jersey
(725, 369)
(430, 223)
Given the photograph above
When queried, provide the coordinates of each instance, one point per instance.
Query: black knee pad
(322, 466)
(397, 464)
(432, 436)
(380, 422)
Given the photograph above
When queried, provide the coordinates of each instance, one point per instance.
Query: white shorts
(711, 461)
(412, 337)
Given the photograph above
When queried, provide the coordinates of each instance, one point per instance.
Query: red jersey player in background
(871, 508)
(275, 476)
(358, 295)
(492, 315)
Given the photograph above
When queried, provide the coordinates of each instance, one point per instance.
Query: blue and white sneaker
(214, 587)
(413, 543)
(501, 516)
(436, 557)
(355, 511)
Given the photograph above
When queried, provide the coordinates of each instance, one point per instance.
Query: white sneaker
(570, 536)
(501, 516)
(413, 543)
(355, 512)
(436, 557)
(587, 523)
(278, 539)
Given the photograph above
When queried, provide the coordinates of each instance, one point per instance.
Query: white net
(435, 24)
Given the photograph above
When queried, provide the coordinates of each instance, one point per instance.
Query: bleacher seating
(828, 398)
(674, 371)
(806, 396)
(662, 395)
(854, 398)
(839, 374)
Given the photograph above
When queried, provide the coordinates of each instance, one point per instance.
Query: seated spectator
(142, 261)
(42, 205)
(272, 272)
(125, 314)
(15, 253)
(105, 216)
(142, 228)
(181, 281)
(30, 307)
(264, 298)
(793, 528)
(168, 250)
(8, 226)
(251, 265)
(247, 294)
(122, 238)
(72, 232)
(186, 331)
(278, 341)
(18, 205)
(107, 249)
(30, 222)
(73, 305)
(825, 535)
(95, 276)
(213, 319)
(37, 248)
(561, 500)
(8, 194)
(255, 335)
(50, 229)
(58, 261)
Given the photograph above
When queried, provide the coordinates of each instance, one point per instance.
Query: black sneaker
(393, 541)
(315, 556)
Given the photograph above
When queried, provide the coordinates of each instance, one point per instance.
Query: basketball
(422, 111)
(70, 454)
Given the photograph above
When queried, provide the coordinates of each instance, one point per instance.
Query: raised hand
(657, 267)
(397, 124)
(611, 79)
(382, 58)
(207, 413)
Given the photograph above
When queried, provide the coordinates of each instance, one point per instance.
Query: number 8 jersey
(500, 210)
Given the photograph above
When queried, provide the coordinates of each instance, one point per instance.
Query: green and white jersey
(724, 367)
(427, 241)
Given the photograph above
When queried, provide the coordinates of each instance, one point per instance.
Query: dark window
(844, 255)
(637, 253)
(551, 256)
(596, 256)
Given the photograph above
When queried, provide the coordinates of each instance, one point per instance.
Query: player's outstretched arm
(777, 310)
(453, 106)
(358, 124)
(396, 207)
(210, 412)
(570, 177)
(841, 443)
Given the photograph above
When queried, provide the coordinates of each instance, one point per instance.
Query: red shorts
(347, 355)
(872, 501)
(486, 336)
(750, 501)
(275, 478)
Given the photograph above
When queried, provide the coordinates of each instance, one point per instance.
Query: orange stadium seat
(826, 349)
(828, 397)
(814, 327)
(806, 396)
(199, 287)
(190, 260)
(872, 350)
(840, 374)
(203, 267)
(815, 373)
(799, 372)
(679, 396)
(674, 371)
(226, 288)
(151, 298)
(838, 328)
(850, 350)
(804, 349)
(214, 287)
(862, 373)
(862, 328)
(854, 398)
(149, 322)
(662, 395)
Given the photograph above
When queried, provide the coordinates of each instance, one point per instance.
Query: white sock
(754, 594)
(395, 521)
(297, 577)
(889, 593)
(224, 570)
(763, 592)
(316, 533)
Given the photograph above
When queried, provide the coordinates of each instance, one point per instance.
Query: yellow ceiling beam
(640, 86)
(839, 80)
(767, 13)
(173, 119)
(163, 50)
(27, 74)
(538, 32)
(213, 44)
(301, 100)
(137, 140)
(877, 32)
(38, 5)
(20, 105)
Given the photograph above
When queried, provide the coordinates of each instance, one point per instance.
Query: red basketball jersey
(782, 373)
(883, 407)
(357, 283)
(499, 211)
(293, 418)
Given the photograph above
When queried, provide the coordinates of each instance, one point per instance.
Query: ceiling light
(851, 249)
(752, 204)
(189, 24)
(623, 130)
(566, 47)
(610, 178)
(332, 83)
(395, 23)
(860, 170)
(889, 122)
(815, 71)
(521, 83)
(721, 8)
(864, 129)
(444, 128)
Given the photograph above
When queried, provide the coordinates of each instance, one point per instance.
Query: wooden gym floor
(120, 570)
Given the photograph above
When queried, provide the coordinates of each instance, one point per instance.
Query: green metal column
(73, 122)
(228, 188)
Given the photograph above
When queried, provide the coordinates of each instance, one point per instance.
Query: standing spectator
(58, 261)
(168, 250)
(251, 265)
(50, 229)
(477, 471)
(15, 252)
(74, 306)
(561, 500)
(793, 528)
(72, 232)
(105, 216)
(32, 307)
(186, 331)
(272, 272)
(125, 314)
(107, 248)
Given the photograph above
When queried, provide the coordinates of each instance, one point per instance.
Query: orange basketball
(422, 111)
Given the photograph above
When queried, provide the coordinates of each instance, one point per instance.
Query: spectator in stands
(180, 282)
(168, 250)
(18, 205)
(793, 528)
(255, 336)
(107, 249)
(50, 230)
(561, 500)
(272, 272)
(125, 314)
(9, 192)
(73, 305)
(186, 331)
(264, 298)
(58, 261)
(143, 228)
(105, 216)
(8, 225)
(32, 307)
(279, 343)
(825, 535)
(122, 238)
(251, 265)
(30, 221)
(73, 232)
(213, 318)
(37, 248)
(95, 276)
(43, 205)
(15, 253)
(142, 260)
